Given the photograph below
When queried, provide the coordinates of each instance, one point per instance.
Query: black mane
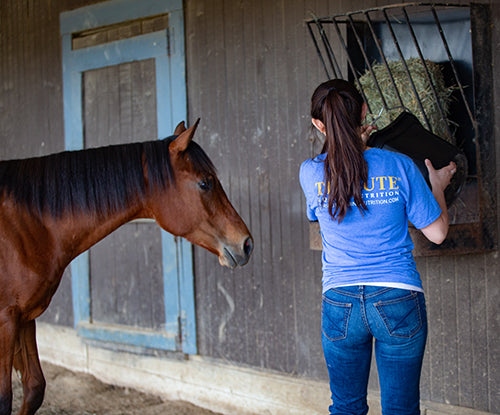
(100, 180)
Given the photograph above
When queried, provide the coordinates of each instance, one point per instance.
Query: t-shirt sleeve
(305, 183)
(422, 207)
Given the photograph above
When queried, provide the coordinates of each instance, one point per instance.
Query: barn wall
(251, 70)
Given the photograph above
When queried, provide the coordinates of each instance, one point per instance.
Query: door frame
(167, 49)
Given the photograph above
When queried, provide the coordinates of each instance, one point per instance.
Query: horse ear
(182, 141)
(180, 128)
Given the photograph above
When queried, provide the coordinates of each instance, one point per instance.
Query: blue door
(124, 80)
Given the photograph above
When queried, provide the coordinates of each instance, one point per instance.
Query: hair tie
(332, 88)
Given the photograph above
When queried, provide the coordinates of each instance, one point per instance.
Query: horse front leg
(8, 334)
(27, 362)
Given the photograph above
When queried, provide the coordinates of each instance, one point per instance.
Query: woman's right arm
(436, 232)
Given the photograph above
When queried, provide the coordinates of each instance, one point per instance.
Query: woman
(363, 199)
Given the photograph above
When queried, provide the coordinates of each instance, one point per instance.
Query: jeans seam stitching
(347, 294)
(377, 293)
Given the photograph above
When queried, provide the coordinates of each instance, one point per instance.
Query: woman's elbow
(438, 238)
(437, 231)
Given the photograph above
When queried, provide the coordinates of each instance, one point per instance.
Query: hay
(410, 101)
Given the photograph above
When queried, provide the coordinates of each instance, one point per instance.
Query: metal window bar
(348, 19)
(318, 50)
(330, 55)
(427, 74)
(382, 55)
(349, 61)
(403, 61)
(367, 62)
(453, 66)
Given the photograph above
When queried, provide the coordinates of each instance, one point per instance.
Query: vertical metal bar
(427, 74)
(318, 49)
(382, 55)
(328, 49)
(367, 62)
(396, 43)
(335, 65)
(349, 61)
(453, 66)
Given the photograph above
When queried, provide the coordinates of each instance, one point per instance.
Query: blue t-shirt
(373, 246)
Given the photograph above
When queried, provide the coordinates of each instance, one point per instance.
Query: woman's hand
(366, 130)
(441, 178)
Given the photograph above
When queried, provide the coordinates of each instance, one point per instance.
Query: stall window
(455, 41)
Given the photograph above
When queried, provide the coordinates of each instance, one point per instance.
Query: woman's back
(372, 245)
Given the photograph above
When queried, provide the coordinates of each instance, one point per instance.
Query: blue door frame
(166, 47)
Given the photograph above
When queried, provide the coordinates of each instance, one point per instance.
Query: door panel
(126, 282)
(119, 105)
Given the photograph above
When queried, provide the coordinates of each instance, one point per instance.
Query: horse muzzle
(232, 257)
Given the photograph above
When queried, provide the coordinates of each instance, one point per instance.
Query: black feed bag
(406, 135)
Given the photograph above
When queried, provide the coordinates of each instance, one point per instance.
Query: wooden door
(119, 106)
(124, 81)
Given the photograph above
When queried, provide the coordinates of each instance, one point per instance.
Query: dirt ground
(71, 393)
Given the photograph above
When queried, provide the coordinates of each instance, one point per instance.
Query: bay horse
(55, 207)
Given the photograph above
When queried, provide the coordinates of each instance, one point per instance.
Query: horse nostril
(248, 246)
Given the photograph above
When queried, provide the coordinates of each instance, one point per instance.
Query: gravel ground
(70, 393)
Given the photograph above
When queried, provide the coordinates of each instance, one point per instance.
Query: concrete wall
(213, 384)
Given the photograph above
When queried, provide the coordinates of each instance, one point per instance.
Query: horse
(55, 207)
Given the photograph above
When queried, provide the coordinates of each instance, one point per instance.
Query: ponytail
(338, 105)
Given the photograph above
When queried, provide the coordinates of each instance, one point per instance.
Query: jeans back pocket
(402, 316)
(335, 319)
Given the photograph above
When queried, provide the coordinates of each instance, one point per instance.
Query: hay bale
(410, 101)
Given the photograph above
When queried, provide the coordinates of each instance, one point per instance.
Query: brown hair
(338, 105)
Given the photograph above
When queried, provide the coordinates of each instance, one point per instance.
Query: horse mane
(101, 180)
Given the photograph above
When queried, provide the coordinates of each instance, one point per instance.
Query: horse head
(195, 205)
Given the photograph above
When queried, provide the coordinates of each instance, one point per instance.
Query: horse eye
(206, 184)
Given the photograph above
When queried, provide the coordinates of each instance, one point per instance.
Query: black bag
(407, 135)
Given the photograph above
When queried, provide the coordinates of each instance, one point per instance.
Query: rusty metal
(332, 67)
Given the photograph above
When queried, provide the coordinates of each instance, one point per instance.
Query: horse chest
(28, 271)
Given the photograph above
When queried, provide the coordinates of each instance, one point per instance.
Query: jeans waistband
(366, 291)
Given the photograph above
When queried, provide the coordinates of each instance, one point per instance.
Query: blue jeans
(352, 318)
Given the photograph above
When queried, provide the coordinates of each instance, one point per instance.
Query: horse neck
(75, 234)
